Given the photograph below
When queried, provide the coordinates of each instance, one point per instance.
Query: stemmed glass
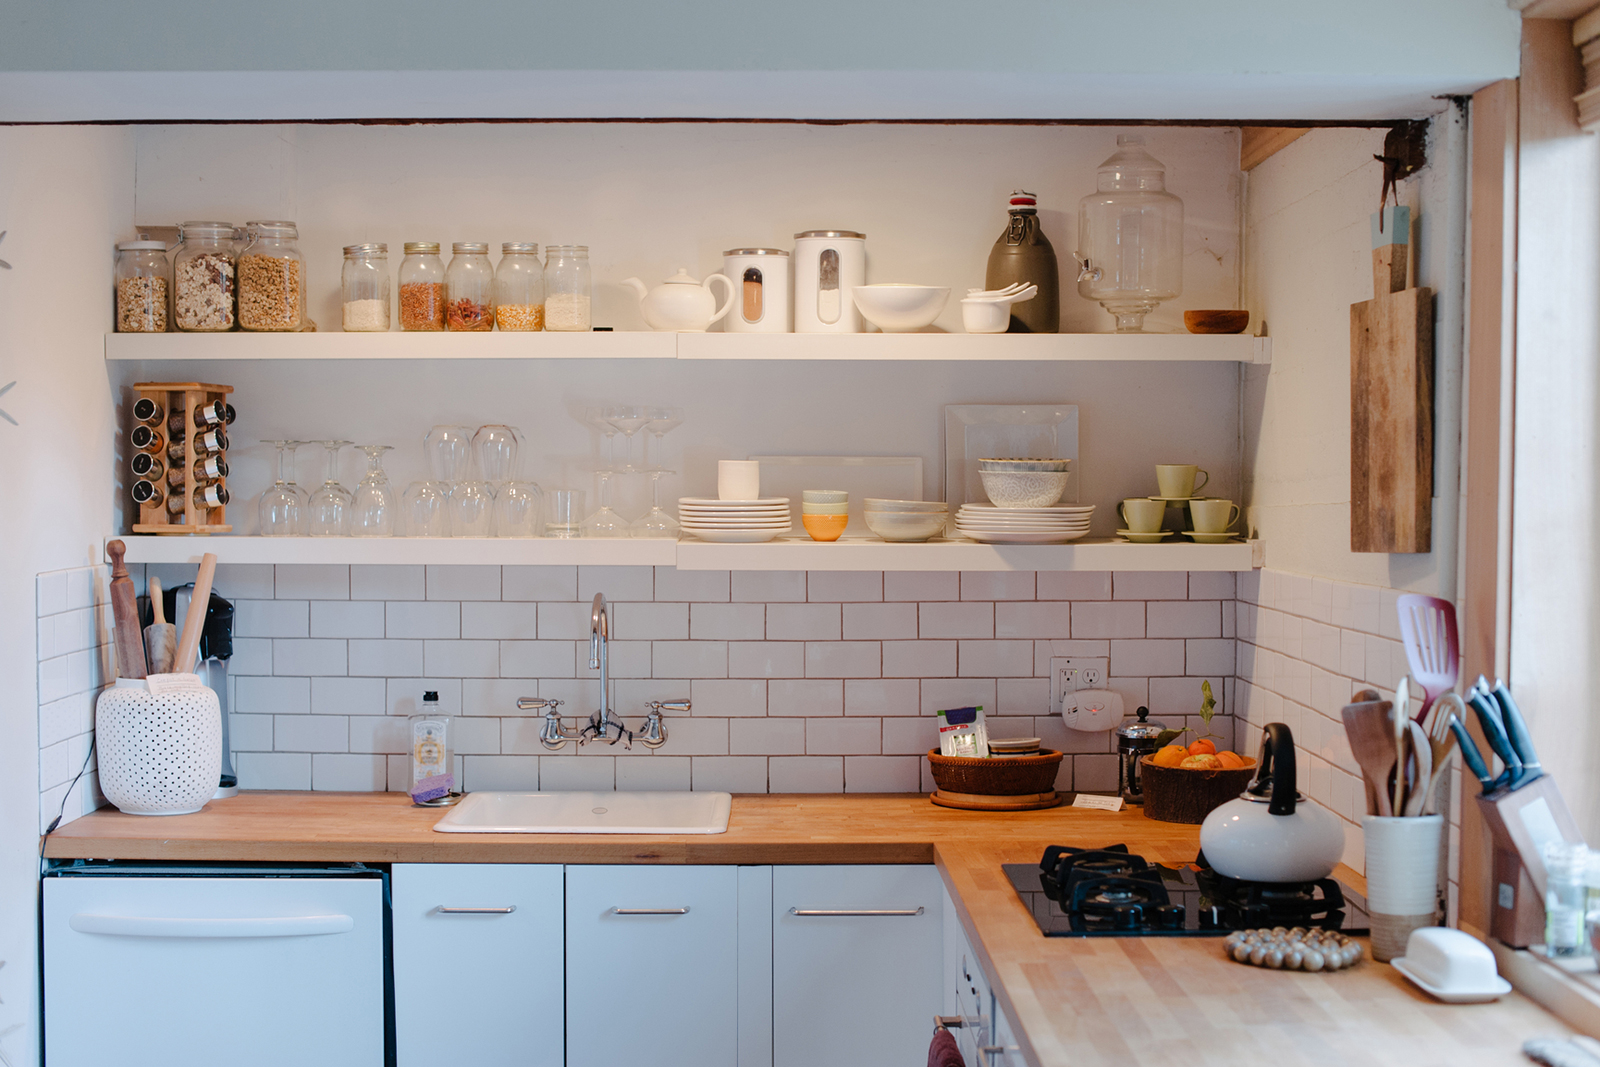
(282, 503)
(372, 510)
(656, 522)
(605, 522)
(661, 421)
(628, 421)
(330, 504)
(600, 419)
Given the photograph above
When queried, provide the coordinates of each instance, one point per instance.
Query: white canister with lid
(828, 264)
(760, 290)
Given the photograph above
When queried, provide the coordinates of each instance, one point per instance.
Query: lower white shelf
(786, 554)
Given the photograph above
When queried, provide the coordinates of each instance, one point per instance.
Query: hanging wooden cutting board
(1391, 401)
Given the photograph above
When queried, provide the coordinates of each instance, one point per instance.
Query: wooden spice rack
(183, 398)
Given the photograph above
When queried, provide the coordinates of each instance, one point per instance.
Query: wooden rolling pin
(160, 637)
(195, 622)
(125, 615)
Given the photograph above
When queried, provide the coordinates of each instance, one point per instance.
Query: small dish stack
(1023, 526)
(734, 521)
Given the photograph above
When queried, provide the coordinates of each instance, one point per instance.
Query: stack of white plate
(1023, 526)
(734, 521)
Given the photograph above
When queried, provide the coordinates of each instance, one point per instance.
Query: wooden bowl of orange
(1184, 784)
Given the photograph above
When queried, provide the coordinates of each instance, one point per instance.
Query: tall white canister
(760, 290)
(828, 265)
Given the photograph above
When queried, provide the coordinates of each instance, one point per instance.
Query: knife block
(183, 398)
(1522, 823)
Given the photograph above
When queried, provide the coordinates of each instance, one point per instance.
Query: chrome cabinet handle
(881, 911)
(649, 911)
(507, 910)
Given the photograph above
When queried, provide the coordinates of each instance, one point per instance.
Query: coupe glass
(372, 511)
(449, 451)
(600, 419)
(627, 421)
(471, 509)
(605, 522)
(519, 510)
(564, 513)
(497, 452)
(656, 522)
(282, 505)
(329, 507)
(427, 509)
(662, 420)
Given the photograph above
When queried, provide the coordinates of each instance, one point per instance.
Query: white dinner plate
(1016, 538)
(1021, 525)
(737, 525)
(990, 520)
(1054, 509)
(713, 502)
(731, 513)
(736, 537)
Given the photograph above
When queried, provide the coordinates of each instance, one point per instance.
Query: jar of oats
(567, 286)
(272, 278)
(365, 282)
(469, 288)
(203, 277)
(422, 287)
(519, 288)
(142, 287)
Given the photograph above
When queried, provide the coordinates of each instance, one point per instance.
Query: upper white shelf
(1235, 348)
(789, 553)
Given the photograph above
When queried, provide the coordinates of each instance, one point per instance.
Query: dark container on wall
(1023, 254)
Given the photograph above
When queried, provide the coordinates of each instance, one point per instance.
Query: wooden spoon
(1441, 739)
(1367, 725)
(195, 622)
(1422, 768)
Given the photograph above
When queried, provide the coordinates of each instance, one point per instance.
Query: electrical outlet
(1068, 674)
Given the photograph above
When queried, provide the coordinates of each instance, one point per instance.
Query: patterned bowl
(1023, 489)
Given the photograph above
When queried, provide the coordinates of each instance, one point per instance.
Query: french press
(1135, 739)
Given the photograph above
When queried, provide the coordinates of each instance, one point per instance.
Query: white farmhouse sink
(588, 813)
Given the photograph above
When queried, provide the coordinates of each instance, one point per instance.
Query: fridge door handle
(150, 926)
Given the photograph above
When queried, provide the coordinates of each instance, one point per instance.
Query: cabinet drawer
(478, 964)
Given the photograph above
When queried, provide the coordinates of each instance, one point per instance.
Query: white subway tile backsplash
(805, 774)
(349, 773)
(625, 659)
(1212, 585)
(921, 585)
(565, 621)
(1107, 619)
(272, 696)
(314, 656)
(1149, 585)
(844, 586)
(1023, 696)
(251, 655)
(476, 735)
(272, 618)
(997, 585)
(994, 659)
(539, 583)
(1033, 619)
(1073, 585)
(955, 620)
(805, 697)
(50, 593)
(250, 733)
(768, 737)
(672, 773)
(1209, 656)
(727, 622)
(919, 659)
(692, 736)
(1183, 618)
(881, 774)
(769, 586)
(763, 659)
(538, 659)
(942, 693)
(843, 737)
(405, 694)
(842, 659)
(729, 698)
(384, 734)
(882, 696)
(310, 733)
(497, 696)
(697, 586)
(650, 622)
(382, 581)
(510, 773)
(729, 774)
(880, 622)
(803, 622)
(378, 659)
(461, 659)
(273, 770)
(617, 583)
(692, 659)
(463, 582)
(310, 581)
(1147, 657)
(485, 620)
(912, 735)
(346, 618)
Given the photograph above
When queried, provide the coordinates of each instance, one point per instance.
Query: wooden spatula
(1366, 724)
(199, 602)
(160, 637)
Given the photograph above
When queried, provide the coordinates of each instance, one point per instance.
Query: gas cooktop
(1075, 892)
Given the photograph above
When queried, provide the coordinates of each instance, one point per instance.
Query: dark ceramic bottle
(1023, 254)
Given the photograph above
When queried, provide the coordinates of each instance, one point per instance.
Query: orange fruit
(1203, 747)
(1230, 760)
(1170, 756)
(1205, 761)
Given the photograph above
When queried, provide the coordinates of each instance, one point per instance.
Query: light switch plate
(1068, 674)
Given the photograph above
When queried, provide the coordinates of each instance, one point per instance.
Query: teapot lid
(1143, 728)
(681, 278)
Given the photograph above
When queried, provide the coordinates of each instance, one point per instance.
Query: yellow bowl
(825, 527)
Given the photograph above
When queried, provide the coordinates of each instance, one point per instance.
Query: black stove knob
(1127, 916)
(1170, 916)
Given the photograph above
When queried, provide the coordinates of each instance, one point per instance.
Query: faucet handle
(659, 706)
(653, 734)
(537, 703)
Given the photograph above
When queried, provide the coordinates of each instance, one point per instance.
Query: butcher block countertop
(1129, 1002)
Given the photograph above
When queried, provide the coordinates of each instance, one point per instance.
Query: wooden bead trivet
(1296, 949)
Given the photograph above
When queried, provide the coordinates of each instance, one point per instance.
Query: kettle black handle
(1275, 769)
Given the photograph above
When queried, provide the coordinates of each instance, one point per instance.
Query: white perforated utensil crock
(158, 753)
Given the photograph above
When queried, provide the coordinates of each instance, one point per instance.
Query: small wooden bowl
(1216, 321)
(1172, 794)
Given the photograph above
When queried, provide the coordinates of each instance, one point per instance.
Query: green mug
(1213, 516)
(1141, 514)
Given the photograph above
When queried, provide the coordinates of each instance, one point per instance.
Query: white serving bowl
(1024, 489)
(924, 507)
(905, 525)
(896, 308)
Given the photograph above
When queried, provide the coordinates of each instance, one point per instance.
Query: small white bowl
(923, 507)
(824, 496)
(985, 315)
(905, 525)
(896, 308)
(1024, 489)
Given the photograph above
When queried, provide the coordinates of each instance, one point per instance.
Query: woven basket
(998, 776)
(1172, 794)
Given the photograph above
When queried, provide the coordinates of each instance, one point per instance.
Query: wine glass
(661, 421)
(373, 507)
(471, 509)
(496, 446)
(449, 451)
(519, 510)
(329, 506)
(627, 421)
(600, 419)
(656, 522)
(282, 504)
(427, 509)
(605, 522)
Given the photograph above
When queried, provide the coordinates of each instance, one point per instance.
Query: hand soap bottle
(1023, 254)
(433, 758)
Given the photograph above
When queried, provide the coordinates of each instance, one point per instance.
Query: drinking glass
(449, 451)
(627, 421)
(427, 509)
(563, 512)
(373, 508)
(329, 506)
(661, 421)
(605, 522)
(518, 510)
(471, 509)
(656, 522)
(282, 505)
(497, 452)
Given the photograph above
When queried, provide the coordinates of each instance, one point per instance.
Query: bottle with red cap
(1023, 254)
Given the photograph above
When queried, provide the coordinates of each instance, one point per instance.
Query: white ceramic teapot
(682, 304)
(1272, 833)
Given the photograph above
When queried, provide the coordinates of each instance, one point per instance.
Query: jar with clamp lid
(519, 288)
(142, 287)
(365, 284)
(422, 287)
(567, 288)
(469, 288)
(272, 278)
(204, 290)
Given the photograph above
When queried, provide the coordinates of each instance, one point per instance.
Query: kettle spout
(637, 286)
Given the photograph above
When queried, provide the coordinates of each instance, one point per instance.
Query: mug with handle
(1176, 480)
(1141, 514)
(1213, 516)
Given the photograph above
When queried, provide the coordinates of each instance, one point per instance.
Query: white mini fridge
(169, 967)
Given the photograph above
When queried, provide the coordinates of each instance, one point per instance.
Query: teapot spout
(637, 286)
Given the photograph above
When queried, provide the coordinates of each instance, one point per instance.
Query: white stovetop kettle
(1273, 833)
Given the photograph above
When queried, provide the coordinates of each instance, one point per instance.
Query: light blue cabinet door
(858, 987)
(652, 966)
(478, 964)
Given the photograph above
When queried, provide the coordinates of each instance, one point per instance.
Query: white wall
(65, 197)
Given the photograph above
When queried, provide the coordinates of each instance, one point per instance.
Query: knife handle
(1489, 718)
(1470, 753)
(1516, 727)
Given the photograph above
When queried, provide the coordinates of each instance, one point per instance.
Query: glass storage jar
(272, 278)
(142, 287)
(519, 288)
(567, 287)
(1130, 237)
(469, 288)
(422, 287)
(203, 277)
(365, 282)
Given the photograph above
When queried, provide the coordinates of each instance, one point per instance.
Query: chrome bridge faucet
(553, 735)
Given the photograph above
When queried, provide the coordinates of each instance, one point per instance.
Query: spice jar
(519, 288)
(203, 277)
(469, 288)
(272, 278)
(422, 287)
(567, 288)
(142, 287)
(365, 281)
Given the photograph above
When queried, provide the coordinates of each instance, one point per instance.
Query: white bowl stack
(1024, 526)
(735, 521)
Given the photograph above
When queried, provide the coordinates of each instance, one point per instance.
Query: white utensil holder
(1402, 878)
(158, 753)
